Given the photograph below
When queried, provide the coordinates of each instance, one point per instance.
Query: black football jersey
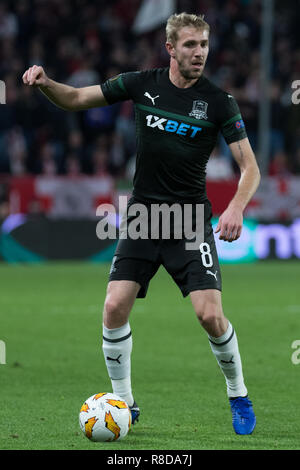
(177, 129)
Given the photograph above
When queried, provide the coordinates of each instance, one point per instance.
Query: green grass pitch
(51, 325)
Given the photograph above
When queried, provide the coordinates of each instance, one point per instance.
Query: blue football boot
(135, 413)
(243, 417)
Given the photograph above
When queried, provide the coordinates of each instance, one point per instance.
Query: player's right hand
(35, 76)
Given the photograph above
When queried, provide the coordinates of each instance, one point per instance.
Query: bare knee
(208, 308)
(210, 316)
(115, 312)
(119, 300)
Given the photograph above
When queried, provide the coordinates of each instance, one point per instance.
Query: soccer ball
(105, 417)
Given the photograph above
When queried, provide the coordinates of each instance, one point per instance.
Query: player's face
(191, 51)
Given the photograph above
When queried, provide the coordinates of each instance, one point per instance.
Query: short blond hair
(178, 21)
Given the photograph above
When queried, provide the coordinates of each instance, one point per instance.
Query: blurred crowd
(84, 42)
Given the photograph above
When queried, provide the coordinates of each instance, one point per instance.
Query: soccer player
(179, 114)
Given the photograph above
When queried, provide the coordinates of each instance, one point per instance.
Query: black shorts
(197, 269)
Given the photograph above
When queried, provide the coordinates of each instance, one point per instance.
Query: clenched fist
(35, 76)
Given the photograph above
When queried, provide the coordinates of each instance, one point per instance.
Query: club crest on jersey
(199, 110)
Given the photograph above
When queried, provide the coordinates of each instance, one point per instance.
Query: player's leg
(197, 273)
(129, 278)
(223, 341)
(117, 337)
(222, 337)
(134, 264)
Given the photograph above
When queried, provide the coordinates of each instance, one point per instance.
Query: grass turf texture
(51, 324)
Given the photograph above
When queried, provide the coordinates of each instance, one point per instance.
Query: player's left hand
(230, 224)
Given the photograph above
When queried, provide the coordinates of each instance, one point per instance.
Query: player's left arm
(231, 221)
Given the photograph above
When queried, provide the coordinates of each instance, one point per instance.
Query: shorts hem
(187, 290)
(130, 277)
(124, 277)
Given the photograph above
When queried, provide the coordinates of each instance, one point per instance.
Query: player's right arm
(64, 96)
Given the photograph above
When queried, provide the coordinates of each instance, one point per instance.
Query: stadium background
(57, 167)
